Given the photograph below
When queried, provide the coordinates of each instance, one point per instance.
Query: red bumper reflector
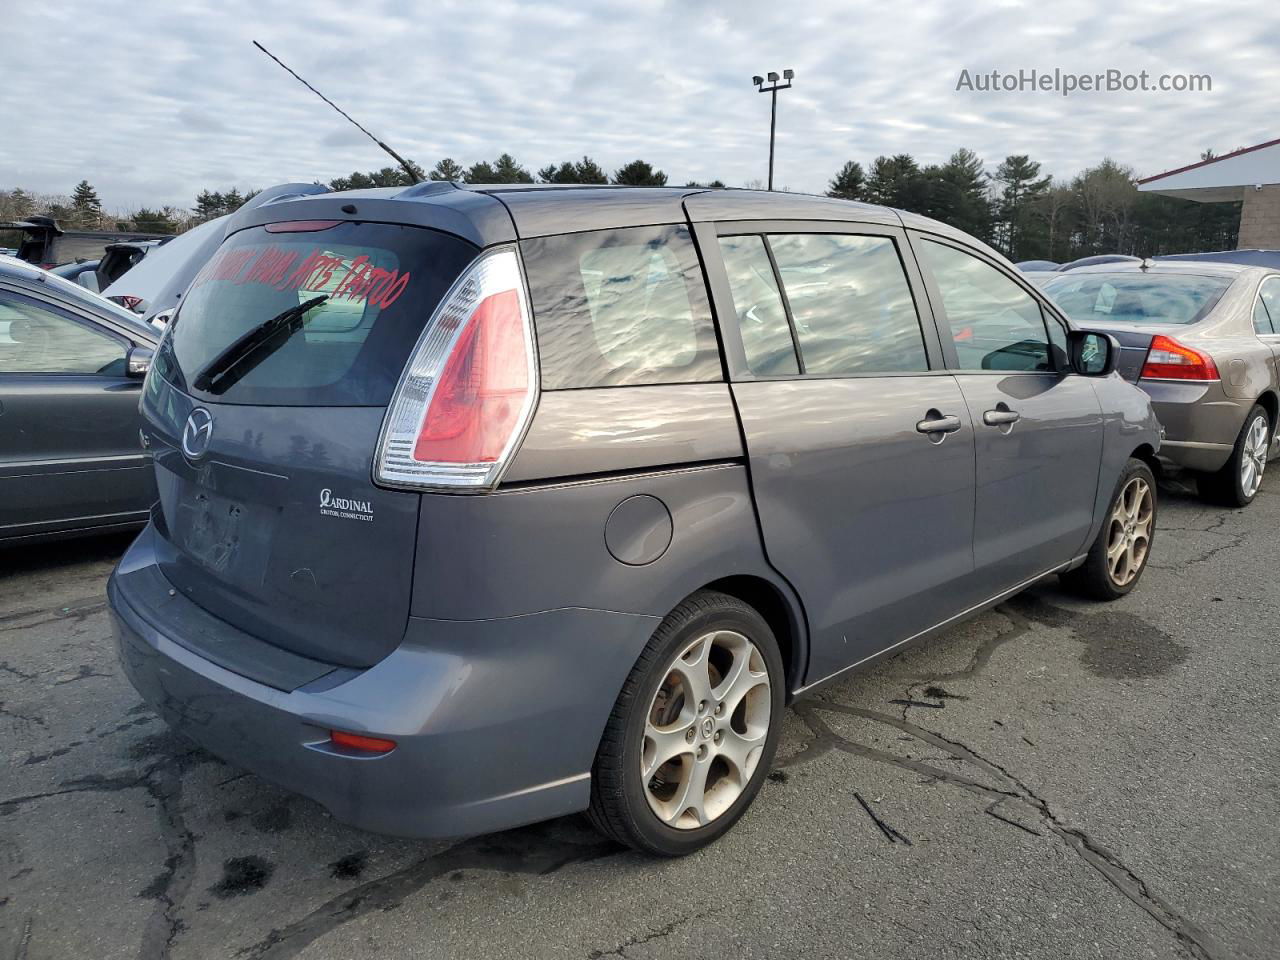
(358, 741)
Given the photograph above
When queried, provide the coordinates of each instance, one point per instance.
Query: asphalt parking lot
(1054, 779)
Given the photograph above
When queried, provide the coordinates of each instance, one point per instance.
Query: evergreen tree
(147, 220)
(209, 205)
(898, 182)
(849, 183)
(447, 169)
(386, 177)
(585, 170)
(503, 170)
(588, 171)
(1019, 232)
(506, 170)
(638, 173)
(958, 196)
(87, 208)
(565, 173)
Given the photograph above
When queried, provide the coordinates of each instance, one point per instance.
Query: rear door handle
(1001, 418)
(934, 422)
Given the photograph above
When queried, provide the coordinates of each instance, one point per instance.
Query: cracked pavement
(1052, 779)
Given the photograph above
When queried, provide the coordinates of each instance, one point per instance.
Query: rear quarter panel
(1246, 364)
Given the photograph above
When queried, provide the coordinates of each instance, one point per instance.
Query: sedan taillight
(1167, 359)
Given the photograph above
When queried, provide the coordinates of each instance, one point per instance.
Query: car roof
(23, 274)
(487, 214)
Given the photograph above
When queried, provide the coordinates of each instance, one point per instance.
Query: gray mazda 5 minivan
(484, 505)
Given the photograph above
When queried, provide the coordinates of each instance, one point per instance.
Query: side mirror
(1093, 354)
(138, 361)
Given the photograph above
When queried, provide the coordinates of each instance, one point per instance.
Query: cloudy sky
(155, 104)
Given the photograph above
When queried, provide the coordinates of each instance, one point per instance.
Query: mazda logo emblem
(197, 433)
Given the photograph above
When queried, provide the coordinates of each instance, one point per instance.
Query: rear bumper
(1201, 422)
(496, 721)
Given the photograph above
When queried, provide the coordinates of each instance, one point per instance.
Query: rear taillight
(468, 390)
(1167, 359)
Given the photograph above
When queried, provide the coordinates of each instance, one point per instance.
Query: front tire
(1238, 482)
(1119, 555)
(694, 730)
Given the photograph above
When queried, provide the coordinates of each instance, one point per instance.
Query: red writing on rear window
(280, 268)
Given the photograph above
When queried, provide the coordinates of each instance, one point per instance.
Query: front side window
(762, 318)
(994, 323)
(850, 303)
(35, 338)
(620, 308)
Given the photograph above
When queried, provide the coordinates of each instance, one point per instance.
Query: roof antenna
(413, 177)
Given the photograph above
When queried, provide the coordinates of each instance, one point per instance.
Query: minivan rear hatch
(268, 516)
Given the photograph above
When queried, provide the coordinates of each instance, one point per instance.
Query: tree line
(1027, 214)
(1017, 207)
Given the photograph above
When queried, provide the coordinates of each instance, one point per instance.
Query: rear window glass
(620, 308)
(380, 284)
(1135, 298)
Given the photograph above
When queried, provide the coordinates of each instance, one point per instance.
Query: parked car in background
(1097, 260)
(155, 286)
(1036, 266)
(71, 369)
(75, 270)
(1251, 258)
(1040, 277)
(117, 259)
(46, 244)
(1202, 339)
(470, 514)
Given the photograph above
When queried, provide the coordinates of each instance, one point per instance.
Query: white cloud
(154, 106)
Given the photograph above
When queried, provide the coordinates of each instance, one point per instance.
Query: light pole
(773, 88)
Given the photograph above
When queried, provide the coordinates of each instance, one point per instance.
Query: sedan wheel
(705, 730)
(1254, 461)
(1240, 478)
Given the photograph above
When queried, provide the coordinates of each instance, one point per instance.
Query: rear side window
(1269, 297)
(762, 318)
(620, 308)
(1261, 318)
(377, 285)
(850, 303)
(995, 324)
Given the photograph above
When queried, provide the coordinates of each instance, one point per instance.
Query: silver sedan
(1202, 339)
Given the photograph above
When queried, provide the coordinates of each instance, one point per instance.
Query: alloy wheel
(1254, 459)
(1129, 536)
(705, 729)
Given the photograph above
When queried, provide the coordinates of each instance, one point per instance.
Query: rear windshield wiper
(250, 349)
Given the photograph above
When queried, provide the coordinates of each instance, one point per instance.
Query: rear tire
(694, 730)
(1238, 482)
(1119, 555)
